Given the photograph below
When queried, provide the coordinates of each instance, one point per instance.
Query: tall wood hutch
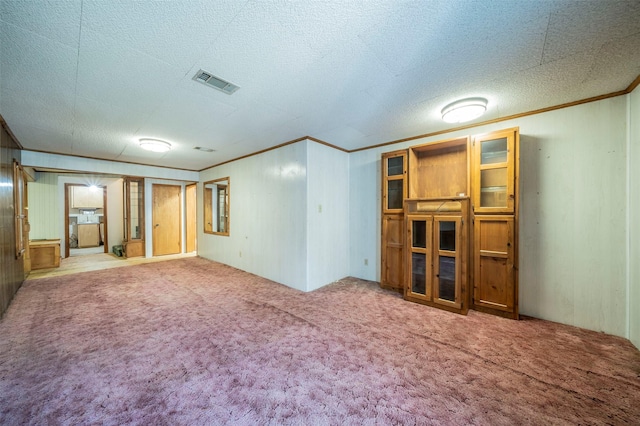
(449, 223)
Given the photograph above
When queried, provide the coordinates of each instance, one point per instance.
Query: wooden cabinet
(394, 181)
(86, 197)
(494, 172)
(495, 162)
(44, 254)
(494, 264)
(437, 252)
(394, 191)
(458, 244)
(392, 252)
(439, 169)
(88, 235)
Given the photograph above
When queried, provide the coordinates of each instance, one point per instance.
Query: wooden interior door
(494, 274)
(167, 219)
(190, 213)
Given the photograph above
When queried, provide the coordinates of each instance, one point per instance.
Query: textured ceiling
(89, 78)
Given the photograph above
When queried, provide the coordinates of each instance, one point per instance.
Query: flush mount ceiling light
(464, 110)
(155, 145)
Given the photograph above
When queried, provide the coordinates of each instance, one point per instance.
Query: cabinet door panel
(392, 274)
(394, 268)
(86, 197)
(420, 270)
(494, 283)
(448, 261)
(394, 181)
(493, 177)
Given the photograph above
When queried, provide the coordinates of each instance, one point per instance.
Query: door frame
(191, 218)
(153, 218)
(67, 249)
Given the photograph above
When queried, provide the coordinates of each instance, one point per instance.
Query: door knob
(157, 224)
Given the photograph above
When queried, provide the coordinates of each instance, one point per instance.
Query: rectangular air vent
(203, 149)
(209, 79)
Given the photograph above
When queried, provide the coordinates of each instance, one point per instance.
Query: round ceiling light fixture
(464, 110)
(155, 145)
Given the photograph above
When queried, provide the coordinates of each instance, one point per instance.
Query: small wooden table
(44, 254)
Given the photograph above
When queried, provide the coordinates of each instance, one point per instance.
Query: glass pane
(222, 208)
(448, 236)
(135, 204)
(494, 151)
(394, 166)
(418, 273)
(447, 278)
(419, 234)
(394, 194)
(493, 187)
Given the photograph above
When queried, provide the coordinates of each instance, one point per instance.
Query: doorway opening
(85, 219)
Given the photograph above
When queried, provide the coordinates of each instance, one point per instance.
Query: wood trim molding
(500, 119)
(112, 161)
(5, 126)
(276, 147)
(633, 84)
(626, 91)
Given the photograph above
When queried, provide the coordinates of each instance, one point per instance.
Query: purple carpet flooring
(194, 342)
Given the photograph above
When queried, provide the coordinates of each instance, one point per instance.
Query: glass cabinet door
(420, 265)
(394, 168)
(447, 261)
(133, 217)
(494, 172)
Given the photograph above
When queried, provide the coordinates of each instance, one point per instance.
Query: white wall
(327, 215)
(267, 217)
(365, 213)
(43, 200)
(634, 217)
(289, 211)
(572, 214)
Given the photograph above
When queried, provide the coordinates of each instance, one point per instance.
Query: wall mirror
(216, 206)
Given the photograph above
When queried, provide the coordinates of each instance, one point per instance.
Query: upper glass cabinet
(494, 172)
(394, 181)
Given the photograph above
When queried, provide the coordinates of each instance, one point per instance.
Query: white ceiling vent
(209, 79)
